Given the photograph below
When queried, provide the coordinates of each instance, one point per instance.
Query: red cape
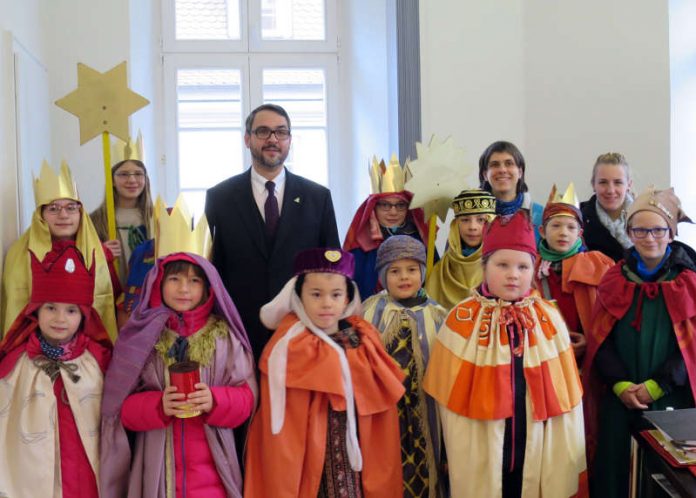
(614, 298)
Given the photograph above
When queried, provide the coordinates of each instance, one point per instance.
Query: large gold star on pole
(102, 102)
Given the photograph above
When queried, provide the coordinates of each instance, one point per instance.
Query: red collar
(186, 323)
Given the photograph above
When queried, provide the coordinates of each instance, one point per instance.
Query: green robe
(643, 352)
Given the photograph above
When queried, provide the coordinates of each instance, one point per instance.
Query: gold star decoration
(438, 174)
(102, 102)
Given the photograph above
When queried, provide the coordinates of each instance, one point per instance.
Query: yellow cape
(454, 276)
(16, 278)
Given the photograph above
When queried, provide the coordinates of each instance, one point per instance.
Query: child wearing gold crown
(641, 352)
(408, 321)
(503, 373)
(52, 362)
(459, 272)
(383, 214)
(327, 424)
(58, 221)
(132, 203)
(565, 271)
(184, 440)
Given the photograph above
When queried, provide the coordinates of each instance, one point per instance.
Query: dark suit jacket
(253, 268)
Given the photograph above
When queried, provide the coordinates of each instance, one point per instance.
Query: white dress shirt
(258, 187)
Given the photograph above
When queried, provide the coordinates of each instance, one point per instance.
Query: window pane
(302, 92)
(207, 19)
(209, 126)
(195, 200)
(207, 157)
(293, 20)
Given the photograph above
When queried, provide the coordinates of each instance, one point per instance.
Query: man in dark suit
(261, 218)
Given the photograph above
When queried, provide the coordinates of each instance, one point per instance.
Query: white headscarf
(271, 314)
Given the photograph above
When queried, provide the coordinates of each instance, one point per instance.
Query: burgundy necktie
(270, 210)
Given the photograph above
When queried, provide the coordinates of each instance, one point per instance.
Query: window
(223, 58)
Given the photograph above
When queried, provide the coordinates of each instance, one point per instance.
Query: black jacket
(596, 235)
(253, 268)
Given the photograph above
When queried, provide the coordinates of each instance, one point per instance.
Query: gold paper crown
(48, 186)
(174, 231)
(123, 151)
(568, 196)
(387, 178)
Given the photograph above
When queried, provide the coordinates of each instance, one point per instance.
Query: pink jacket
(195, 467)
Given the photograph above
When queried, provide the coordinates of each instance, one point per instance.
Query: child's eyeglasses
(55, 209)
(642, 233)
(138, 175)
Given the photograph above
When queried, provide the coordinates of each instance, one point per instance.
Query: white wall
(18, 24)
(565, 81)
(365, 99)
(682, 41)
(96, 33)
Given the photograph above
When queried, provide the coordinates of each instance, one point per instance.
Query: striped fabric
(470, 366)
(469, 374)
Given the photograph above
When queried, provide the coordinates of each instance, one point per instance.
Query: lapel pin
(297, 200)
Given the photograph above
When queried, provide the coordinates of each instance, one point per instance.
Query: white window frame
(172, 63)
(329, 44)
(326, 62)
(171, 45)
(250, 55)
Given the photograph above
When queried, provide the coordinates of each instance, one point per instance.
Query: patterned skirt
(339, 479)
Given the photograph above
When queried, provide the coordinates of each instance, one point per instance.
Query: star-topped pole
(103, 102)
(438, 174)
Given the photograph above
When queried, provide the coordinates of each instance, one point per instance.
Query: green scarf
(549, 254)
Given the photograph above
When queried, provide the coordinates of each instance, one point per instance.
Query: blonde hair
(611, 158)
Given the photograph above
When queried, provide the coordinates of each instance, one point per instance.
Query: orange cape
(581, 275)
(290, 464)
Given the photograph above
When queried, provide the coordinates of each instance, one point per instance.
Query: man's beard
(260, 160)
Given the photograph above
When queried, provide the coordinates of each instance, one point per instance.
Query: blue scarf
(468, 251)
(505, 208)
(643, 272)
(49, 351)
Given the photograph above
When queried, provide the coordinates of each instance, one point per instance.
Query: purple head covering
(325, 260)
(132, 350)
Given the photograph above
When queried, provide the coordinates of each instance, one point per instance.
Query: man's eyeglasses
(264, 133)
(657, 232)
(55, 209)
(387, 206)
(123, 175)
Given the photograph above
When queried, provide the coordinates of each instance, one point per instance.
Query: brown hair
(508, 148)
(144, 203)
